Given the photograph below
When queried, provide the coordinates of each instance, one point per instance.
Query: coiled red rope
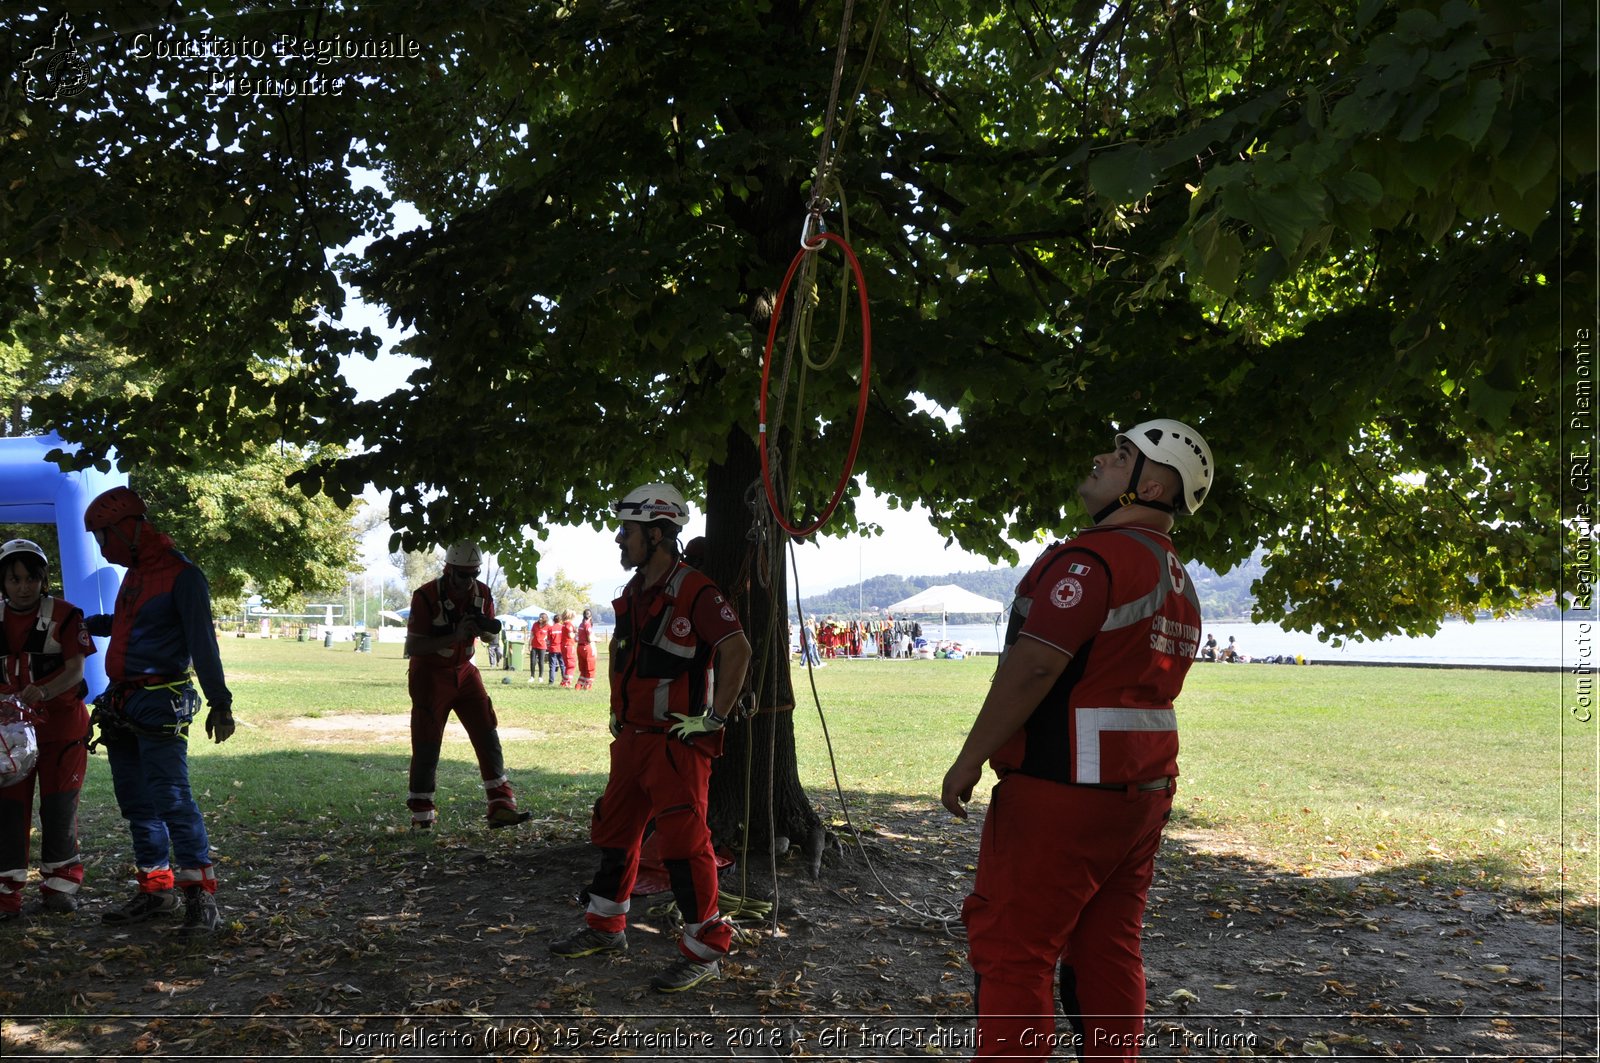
(811, 248)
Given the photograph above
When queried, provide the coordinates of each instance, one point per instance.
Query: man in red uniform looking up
(448, 616)
(1079, 726)
(668, 706)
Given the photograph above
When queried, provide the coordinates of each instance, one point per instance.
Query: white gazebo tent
(945, 599)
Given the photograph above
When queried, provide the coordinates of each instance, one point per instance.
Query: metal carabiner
(806, 241)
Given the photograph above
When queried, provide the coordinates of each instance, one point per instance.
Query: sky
(909, 546)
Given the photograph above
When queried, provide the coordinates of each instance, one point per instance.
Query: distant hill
(1222, 597)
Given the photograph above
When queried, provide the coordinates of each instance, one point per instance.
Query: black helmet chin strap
(650, 548)
(1130, 496)
(138, 533)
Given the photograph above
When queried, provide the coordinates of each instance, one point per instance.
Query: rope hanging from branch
(809, 248)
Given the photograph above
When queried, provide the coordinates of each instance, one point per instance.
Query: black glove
(219, 723)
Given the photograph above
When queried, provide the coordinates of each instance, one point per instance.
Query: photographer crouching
(448, 615)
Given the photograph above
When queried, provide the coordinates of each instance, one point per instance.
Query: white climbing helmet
(1175, 444)
(21, 546)
(464, 555)
(653, 502)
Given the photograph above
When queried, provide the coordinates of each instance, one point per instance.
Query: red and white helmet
(652, 502)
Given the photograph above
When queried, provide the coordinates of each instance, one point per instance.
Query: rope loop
(861, 405)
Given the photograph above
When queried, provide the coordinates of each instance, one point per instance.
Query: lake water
(1499, 642)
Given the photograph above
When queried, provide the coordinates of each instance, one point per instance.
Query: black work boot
(143, 906)
(200, 915)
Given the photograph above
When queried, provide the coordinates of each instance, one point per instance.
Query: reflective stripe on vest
(442, 624)
(1147, 606)
(660, 691)
(661, 702)
(1090, 724)
(42, 645)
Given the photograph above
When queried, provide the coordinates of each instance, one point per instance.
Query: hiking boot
(589, 941)
(9, 916)
(505, 816)
(684, 974)
(60, 903)
(200, 914)
(143, 906)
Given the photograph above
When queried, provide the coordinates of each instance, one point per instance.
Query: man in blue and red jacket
(160, 627)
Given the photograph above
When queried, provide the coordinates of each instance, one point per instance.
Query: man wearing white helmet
(1079, 726)
(43, 641)
(448, 616)
(678, 661)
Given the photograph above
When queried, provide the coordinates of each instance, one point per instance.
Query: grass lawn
(1463, 776)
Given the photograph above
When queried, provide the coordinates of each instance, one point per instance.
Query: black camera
(486, 624)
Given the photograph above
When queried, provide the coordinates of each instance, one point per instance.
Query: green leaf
(1356, 187)
(1467, 117)
(1221, 269)
(1122, 174)
(1417, 121)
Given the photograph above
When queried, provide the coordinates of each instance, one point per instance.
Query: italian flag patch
(1077, 569)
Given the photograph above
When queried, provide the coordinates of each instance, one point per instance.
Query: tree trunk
(757, 781)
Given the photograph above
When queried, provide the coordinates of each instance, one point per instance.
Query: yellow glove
(690, 727)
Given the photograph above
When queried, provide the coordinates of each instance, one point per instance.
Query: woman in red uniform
(557, 634)
(44, 643)
(569, 649)
(586, 654)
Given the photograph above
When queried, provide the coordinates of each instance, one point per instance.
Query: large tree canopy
(230, 507)
(1340, 241)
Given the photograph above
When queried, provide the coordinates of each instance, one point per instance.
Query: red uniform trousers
(435, 693)
(586, 662)
(1063, 871)
(62, 763)
(656, 775)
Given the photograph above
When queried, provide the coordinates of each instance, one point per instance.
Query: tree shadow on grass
(338, 920)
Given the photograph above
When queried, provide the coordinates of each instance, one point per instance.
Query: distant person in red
(1079, 726)
(558, 648)
(538, 647)
(448, 617)
(43, 641)
(569, 649)
(586, 653)
(160, 627)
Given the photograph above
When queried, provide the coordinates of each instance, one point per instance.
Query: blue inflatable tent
(36, 491)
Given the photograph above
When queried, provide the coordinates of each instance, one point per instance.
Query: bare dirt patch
(378, 945)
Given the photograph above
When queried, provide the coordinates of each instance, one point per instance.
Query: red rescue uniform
(448, 681)
(34, 647)
(661, 663)
(1070, 838)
